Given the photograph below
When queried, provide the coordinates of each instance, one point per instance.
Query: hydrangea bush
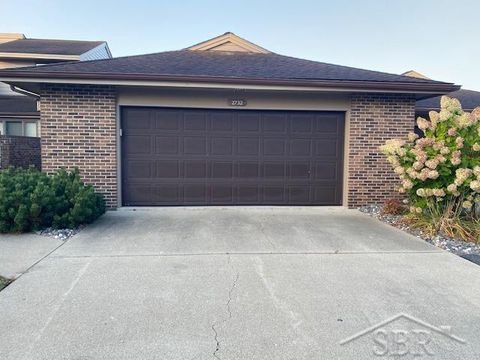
(440, 172)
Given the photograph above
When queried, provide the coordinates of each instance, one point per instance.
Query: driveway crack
(216, 325)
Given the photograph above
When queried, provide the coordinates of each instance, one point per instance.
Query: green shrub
(31, 200)
(440, 172)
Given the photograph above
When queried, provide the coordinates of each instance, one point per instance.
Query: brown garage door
(226, 157)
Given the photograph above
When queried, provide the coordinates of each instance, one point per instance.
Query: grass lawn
(3, 283)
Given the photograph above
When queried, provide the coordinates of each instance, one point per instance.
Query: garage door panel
(328, 125)
(273, 146)
(166, 145)
(138, 144)
(195, 169)
(274, 170)
(221, 121)
(299, 194)
(301, 123)
(248, 122)
(138, 169)
(222, 194)
(248, 146)
(326, 171)
(221, 146)
(248, 169)
(324, 195)
(167, 193)
(326, 147)
(168, 120)
(274, 123)
(274, 194)
(139, 119)
(299, 170)
(138, 193)
(194, 145)
(300, 147)
(201, 157)
(248, 194)
(222, 170)
(166, 169)
(195, 193)
(194, 121)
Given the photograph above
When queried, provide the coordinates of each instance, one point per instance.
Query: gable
(228, 42)
(415, 74)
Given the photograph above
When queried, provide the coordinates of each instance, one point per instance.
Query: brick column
(78, 129)
(375, 118)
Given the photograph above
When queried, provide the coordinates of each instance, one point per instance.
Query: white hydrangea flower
(467, 204)
(423, 124)
(475, 185)
(412, 136)
(452, 188)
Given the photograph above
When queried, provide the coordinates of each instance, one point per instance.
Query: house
(19, 113)
(469, 99)
(224, 122)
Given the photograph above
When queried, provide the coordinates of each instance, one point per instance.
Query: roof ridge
(70, 40)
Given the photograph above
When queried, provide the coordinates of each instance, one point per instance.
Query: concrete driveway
(243, 283)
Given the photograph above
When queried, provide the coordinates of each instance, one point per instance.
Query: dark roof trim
(20, 115)
(39, 77)
(437, 108)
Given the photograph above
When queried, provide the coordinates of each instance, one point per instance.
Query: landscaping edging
(467, 250)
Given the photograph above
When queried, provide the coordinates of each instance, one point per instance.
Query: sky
(438, 38)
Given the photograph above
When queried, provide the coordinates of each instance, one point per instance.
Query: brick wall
(19, 151)
(78, 129)
(375, 118)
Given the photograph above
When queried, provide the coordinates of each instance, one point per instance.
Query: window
(30, 129)
(19, 128)
(14, 128)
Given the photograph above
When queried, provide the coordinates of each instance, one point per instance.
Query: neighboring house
(224, 122)
(19, 113)
(469, 99)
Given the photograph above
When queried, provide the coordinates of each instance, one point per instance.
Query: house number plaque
(237, 102)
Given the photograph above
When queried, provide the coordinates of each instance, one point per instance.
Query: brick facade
(375, 118)
(19, 151)
(78, 127)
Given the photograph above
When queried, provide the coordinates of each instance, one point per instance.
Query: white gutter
(24, 92)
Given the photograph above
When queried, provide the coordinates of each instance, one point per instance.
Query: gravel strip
(461, 248)
(62, 234)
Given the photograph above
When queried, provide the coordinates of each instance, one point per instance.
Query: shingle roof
(222, 64)
(46, 46)
(468, 98)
